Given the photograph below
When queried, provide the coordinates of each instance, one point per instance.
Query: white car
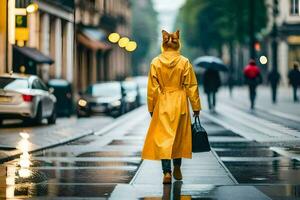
(26, 97)
(142, 82)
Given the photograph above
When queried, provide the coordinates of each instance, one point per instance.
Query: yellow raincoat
(171, 83)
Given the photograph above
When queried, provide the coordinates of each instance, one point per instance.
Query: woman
(171, 83)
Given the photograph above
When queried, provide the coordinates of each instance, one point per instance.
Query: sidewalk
(45, 136)
(285, 107)
(205, 176)
(273, 123)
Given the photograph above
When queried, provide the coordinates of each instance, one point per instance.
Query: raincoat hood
(170, 58)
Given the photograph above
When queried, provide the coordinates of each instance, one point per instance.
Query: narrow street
(254, 157)
(82, 82)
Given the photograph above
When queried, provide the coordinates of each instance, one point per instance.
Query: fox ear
(164, 32)
(165, 35)
(177, 33)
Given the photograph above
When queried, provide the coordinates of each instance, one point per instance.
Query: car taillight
(27, 98)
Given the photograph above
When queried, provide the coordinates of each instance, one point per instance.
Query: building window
(294, 7)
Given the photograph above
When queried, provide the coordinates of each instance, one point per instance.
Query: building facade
(288, 40)
(96, 58)
(40, 41)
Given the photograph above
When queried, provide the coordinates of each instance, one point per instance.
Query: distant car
(132, 97)
(26, 97)
(106, 97)
(142, 82)
(63, 93)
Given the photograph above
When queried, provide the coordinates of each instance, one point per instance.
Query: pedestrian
(253, 78)
(294, 80)
(274, 79)
(171, 82)
(211, 83)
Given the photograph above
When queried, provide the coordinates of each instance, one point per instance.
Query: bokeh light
(31, 8)
(114, 37)
(131, 46)
(123, 42)
(263, 60)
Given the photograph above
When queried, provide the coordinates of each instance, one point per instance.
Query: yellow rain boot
(177, 173)
(167, 178)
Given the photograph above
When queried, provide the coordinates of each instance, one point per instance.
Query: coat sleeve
(191, 86)
(152, 88)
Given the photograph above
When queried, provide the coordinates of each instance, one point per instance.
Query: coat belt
(171, 89)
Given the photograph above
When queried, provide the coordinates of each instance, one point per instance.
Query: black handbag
(199, 137)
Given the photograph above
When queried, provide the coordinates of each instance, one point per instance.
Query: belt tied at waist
(171, 89)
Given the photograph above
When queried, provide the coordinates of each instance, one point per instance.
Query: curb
(122, 119)
(225, 168)
(11, 157)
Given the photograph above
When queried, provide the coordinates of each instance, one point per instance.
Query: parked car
(106, 97)
(63, 93)
(26, 97)
(132, 97)
(142, 82)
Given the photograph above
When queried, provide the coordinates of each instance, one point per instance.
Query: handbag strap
(197, 119)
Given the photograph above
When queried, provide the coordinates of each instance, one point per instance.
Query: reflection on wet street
(256, 164)
(83, 168)
(103, 166)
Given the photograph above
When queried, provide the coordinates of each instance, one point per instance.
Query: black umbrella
(210, 62)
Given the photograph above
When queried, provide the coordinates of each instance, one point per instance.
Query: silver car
(26, 97)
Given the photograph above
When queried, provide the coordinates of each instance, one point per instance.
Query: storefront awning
(94, 39)
(289, 29)
(34, 54)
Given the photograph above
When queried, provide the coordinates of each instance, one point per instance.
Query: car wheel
(52, 118)
(39, 115)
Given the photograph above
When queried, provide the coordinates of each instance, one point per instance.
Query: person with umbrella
(211, 79)
(253, 78)
(211, 83)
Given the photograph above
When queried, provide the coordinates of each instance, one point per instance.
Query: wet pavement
(108, 165)
(89, 167)
(44, 136)
(253, 163)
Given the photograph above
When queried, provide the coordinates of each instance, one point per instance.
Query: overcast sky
(167, 11)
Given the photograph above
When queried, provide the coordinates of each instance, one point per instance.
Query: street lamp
(123, 42)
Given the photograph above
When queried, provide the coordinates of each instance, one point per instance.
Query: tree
(144, 31)
(211, 23)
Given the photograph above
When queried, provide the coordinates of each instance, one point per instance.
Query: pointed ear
(165, 33)
(177, 33)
